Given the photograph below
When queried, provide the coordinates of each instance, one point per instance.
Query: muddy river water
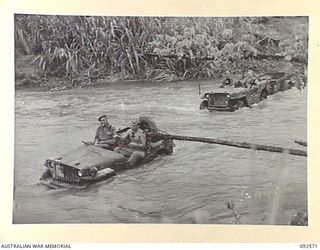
(192, 185)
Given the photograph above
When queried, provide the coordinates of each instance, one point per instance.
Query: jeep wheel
(169, 147)
(263, 95)
(240, 104)
(203, 105)
(46, 174)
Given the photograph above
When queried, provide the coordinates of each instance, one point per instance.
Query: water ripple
(190, 186)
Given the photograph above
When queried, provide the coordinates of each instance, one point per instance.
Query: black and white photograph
(160, 119)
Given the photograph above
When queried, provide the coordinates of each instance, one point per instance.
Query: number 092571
(308, 246)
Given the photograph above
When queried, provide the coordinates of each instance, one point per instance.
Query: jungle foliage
(86, 48)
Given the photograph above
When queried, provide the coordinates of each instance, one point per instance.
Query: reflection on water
(190, 186)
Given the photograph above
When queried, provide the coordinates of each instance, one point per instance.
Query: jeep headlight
(87, 172)
(207, 95)
(228, 96)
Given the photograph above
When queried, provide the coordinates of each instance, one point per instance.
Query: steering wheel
(120, 141)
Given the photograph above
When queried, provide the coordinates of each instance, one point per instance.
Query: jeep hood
(86, 156)
(231, 91)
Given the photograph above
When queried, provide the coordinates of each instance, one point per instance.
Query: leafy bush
(86, 48)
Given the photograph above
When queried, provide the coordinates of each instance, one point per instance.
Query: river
(193, 185)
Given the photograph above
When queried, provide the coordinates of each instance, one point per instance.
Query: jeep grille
(218, 100)
(62, 172)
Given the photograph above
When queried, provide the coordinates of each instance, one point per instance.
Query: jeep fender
(204, 104)
(245, 101)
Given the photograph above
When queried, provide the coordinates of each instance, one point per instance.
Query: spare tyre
(147, 124)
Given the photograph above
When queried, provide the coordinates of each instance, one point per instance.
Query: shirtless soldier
(135, 149)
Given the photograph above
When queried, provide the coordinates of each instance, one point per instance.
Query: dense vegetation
(83, 49)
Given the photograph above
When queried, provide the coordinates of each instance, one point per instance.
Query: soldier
(136, 146)
(227, 81)
(105, 133)
(249, 79)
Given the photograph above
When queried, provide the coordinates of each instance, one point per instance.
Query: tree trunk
(236, 144)
(258, 57)
(303, 143)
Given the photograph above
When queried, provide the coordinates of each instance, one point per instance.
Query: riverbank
(28, 75)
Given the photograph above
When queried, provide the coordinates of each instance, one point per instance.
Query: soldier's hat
(103, 116)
